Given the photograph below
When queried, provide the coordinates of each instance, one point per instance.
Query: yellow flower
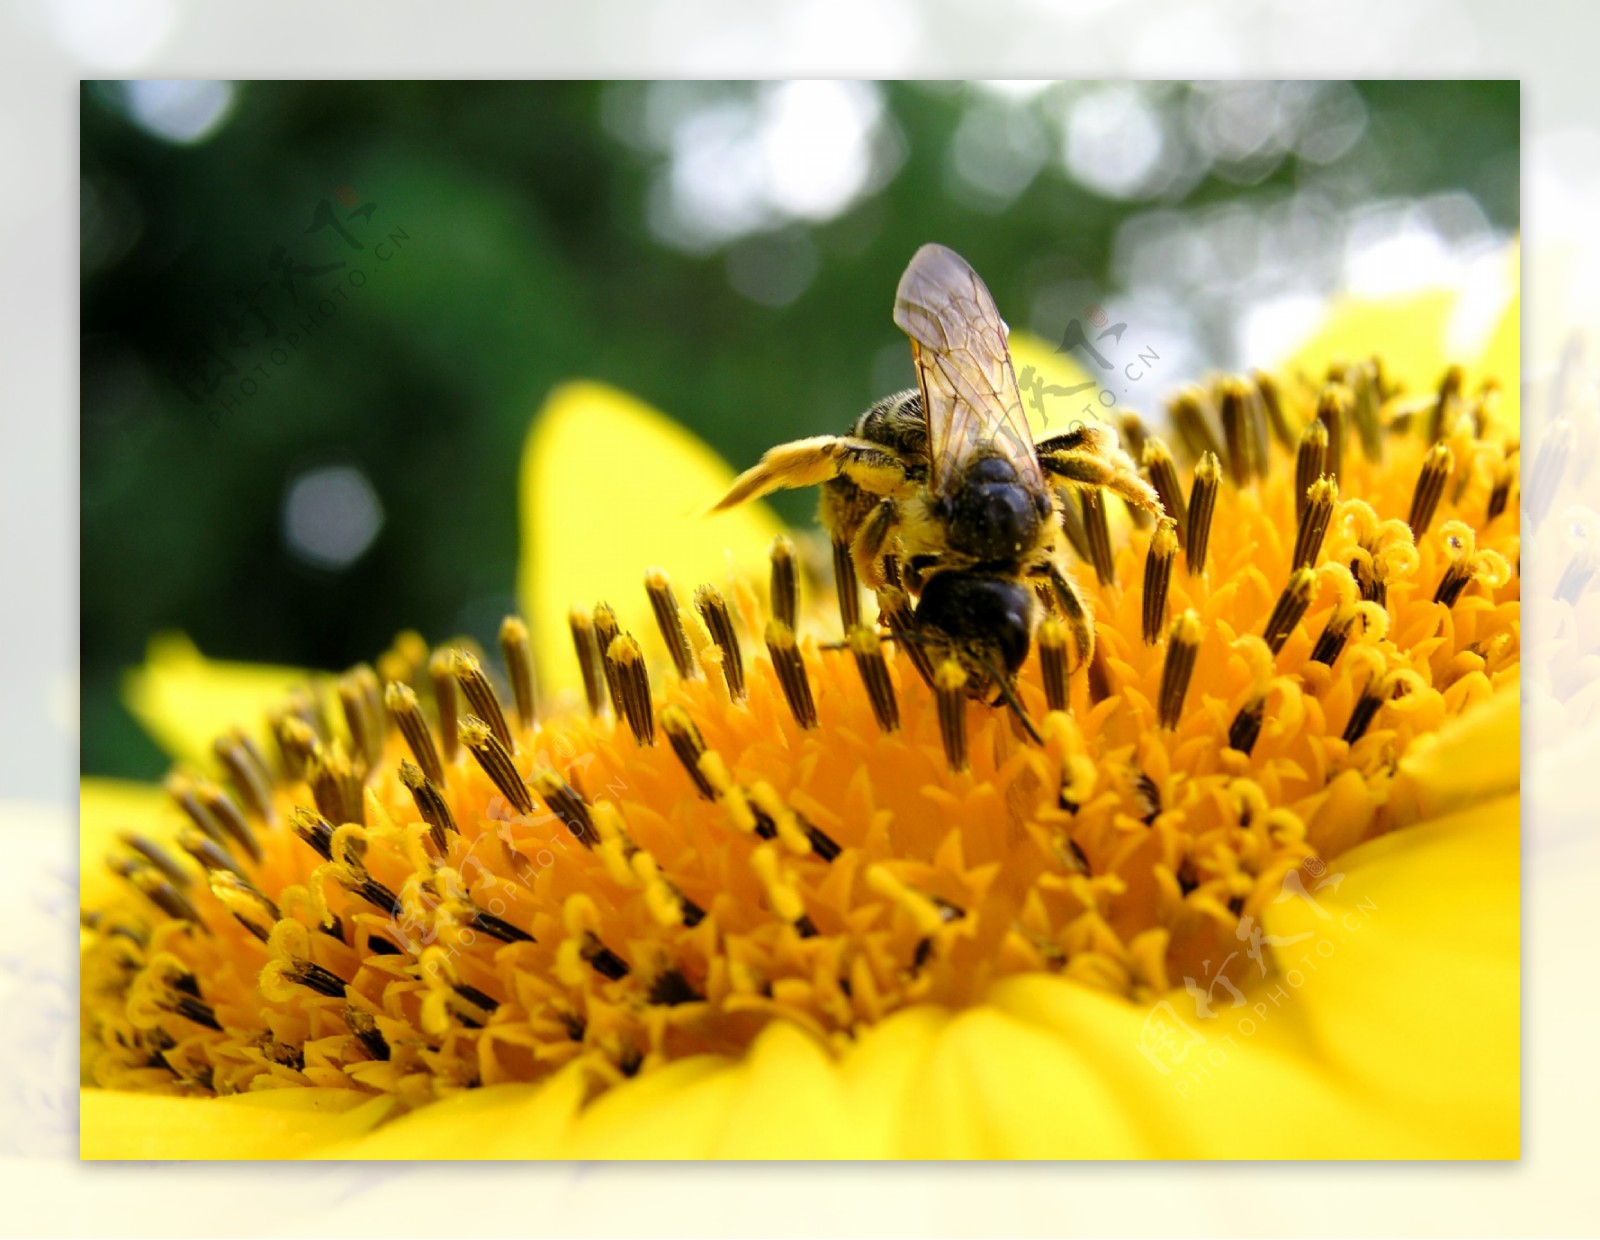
(711, 890)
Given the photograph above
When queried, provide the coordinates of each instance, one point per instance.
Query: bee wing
(969, 390)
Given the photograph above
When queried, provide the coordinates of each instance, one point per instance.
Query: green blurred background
(728, 252)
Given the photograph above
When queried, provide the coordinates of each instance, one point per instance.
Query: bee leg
(1073, 610)
(808, 462)
(1107, 467)
(867, 546)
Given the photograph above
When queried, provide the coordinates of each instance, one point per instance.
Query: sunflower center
(431, 884)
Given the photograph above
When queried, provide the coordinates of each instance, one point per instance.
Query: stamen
(250, 777)
(1268, 387)
(1164, 477)
(1364, 711)
(605, 632)
(481, 697)
(625, 662)
(845, 584)
(294, 744)
(665, 605)
(1544, 479)
(366, 725)
(315, 830)
(1289, 609)
(1202, 504)
(1187, 411)
(688, 745)
(1332, 408)
(365, 1028)
(1183, 644)
(791, 669)
(1237, 430)
(444, 696)
(589, 661)
(495, 759)
(1245, 729)
(1504, 475)
(1097, 533)
(1072, 525)
(201, 847)
(950, 684)
(894, 609)
(249, 907)
(185, 793)
(874, 671)
(229, 816)
(336, 784)
(516, 647)
(1134, 434)
(567, 804)
(407, 715)
(1430, 488)
(713, 609)
(1100, 687)
(1158, 576)
(1362, 380)
(150, 884)
(161, 859)
(785, 590)
(431, 805)
(1310, 463)
(1334, 635)
(1315, 514)
(1446, 404)
(602, 959)
(1052, 639)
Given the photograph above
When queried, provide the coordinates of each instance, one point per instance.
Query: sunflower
(731, 878)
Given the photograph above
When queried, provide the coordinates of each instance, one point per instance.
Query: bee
(941, 489)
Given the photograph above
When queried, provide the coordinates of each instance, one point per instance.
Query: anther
(1183, 644)
(432, 808)
(785, 589)
(567, 804)
(402, 705)
(625, 662)
(315, 830)
(1238, 430)
(713, 609)
(1290, 608)
(874, 670)
(252, 910)
(250, 777)
(495, 759)
(205, 850)
(1097, 532)
(444, 696)
(664, 603)
(894, 609)
(482, 700)
(336, 784)
(164, 895)
(791, 670)
(1310, 463)
(296, 740)
(688, 745)
(366, 726)
(1202, 504)
(602, 959)
(1052, 642)
(950, 686)
(1187, 411)
(1332, 408)
(844, 581)
(163, 860)
(589, 662)
(516, 648)
(1430, 488)
(1245, 729)
(1362, 380)
(1549, 464)
(1158, 576)
(605, 632)
(365, 1028)
(1500, 494)
(1164, 477)
(1268, 387)
(1331, 642)
(1315, 513)
(1445, 405)
(1364, 711)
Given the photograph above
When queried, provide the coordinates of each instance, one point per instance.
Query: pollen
(438, 880)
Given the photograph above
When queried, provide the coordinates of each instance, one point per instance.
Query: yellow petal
(681, 1110)
(1410, 980)
(185, 700)
(277, 1123)
(610, 488)
(1475, 756)
(1052, 413)
(1243, 1083)
(107, 807)
(790, 1103)
(495, 1122)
